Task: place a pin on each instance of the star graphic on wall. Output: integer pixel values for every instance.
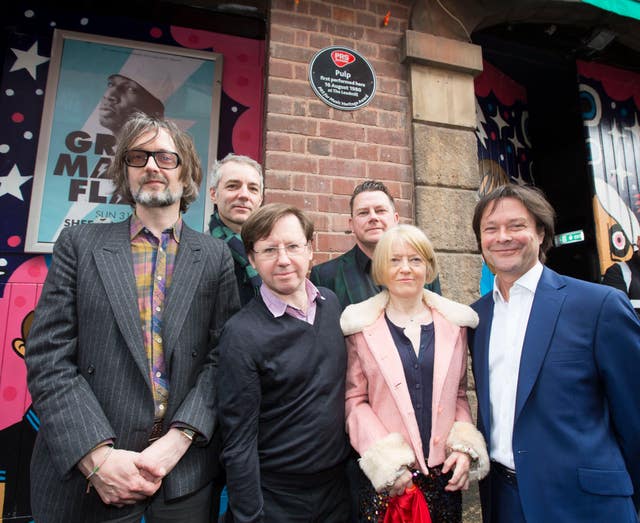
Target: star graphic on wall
(615, 133)
(519, 179)
(28, 60)
(10, 184)
(481, 133)
(500, 122)
(517, 144)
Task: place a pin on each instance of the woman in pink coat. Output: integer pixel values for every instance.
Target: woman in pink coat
(406, 404)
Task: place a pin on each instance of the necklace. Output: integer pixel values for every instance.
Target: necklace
(404, 320)
(410, 323)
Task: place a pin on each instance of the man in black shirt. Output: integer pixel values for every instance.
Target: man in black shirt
(349, 276)
(282, 384)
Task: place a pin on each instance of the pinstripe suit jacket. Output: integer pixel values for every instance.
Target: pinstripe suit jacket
(87, 368)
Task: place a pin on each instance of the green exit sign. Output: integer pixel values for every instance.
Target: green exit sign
(568, 237)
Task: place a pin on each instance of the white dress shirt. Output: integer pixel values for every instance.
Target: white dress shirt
(508, 328)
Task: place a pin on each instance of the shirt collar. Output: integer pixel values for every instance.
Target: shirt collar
(529, 280)
(362, 260)
(136, 227)
(277, 307)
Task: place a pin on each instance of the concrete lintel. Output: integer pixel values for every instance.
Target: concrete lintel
(437, 51)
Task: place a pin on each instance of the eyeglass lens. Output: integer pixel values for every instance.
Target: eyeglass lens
(164, 159)
(293, 249)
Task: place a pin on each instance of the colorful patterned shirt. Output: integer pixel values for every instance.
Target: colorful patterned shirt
(153, 262)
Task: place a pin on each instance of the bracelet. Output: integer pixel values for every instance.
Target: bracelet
(188, 433)
(97, 467)
(465, 450)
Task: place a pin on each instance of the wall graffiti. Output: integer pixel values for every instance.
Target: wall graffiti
(610, 103)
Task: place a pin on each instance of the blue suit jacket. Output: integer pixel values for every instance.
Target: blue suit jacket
(576, 437)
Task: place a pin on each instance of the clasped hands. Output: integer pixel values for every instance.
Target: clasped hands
(127, 477)
(458, 461)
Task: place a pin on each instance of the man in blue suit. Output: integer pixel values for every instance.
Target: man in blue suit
(556, 362)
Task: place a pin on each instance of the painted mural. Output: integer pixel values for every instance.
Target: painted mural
(18, 423)
(610, 103)
(22, 89)
(504, 149)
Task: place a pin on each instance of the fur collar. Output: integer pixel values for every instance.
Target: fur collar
(358, 316)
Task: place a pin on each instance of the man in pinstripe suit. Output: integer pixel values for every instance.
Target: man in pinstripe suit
(122, 356)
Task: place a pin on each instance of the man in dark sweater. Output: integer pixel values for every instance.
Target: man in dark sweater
(281, 384)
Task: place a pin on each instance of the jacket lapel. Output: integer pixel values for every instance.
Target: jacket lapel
(480, 359)
(184, 284)
(445, 334)
(115, 268)
(350, 279)
(357, 286)
(544, 314)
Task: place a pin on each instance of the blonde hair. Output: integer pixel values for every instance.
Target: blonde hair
(409, 235)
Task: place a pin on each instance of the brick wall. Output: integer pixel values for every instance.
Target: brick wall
(315, 154)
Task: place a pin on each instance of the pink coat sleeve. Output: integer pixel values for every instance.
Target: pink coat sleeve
(363, 425)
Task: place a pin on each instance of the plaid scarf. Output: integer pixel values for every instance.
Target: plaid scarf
(219, 230)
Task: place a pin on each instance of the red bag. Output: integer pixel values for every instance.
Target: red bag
(411, 507)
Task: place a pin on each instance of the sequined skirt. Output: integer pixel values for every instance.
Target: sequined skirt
(444, 507)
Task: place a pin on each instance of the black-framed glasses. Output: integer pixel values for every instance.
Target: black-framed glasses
(163, 159)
